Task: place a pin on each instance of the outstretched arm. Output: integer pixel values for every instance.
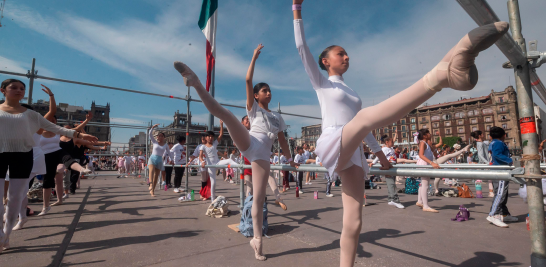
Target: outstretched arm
(221, 132)
(88, 117)
(249, 75)
(50, 115)
(309, 63)
(152, 138)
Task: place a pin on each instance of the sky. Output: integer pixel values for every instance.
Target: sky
(133, 44)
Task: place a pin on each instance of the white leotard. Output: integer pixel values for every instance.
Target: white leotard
(263, 122)
(211, 153)
(339, 104)
(50, 145)
(158, 149)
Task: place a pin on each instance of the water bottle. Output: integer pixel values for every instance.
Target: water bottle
(527, 222)
(192, 195)
(479, 193)
(297, 191)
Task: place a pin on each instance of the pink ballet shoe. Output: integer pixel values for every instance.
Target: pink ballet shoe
(457, 69)
(257, 246)
(190, 79)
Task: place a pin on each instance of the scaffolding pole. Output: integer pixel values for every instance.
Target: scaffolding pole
(529, 142)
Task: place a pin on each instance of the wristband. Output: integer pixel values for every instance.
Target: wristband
(296, 7)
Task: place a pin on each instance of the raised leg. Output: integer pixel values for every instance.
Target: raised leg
(237, 131)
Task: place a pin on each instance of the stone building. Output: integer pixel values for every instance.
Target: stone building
(453, 119)
(310, 134)
(77, 114)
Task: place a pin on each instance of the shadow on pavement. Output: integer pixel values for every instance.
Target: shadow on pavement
(488, 259)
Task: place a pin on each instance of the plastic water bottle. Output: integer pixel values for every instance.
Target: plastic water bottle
(527, 222)
(479, 193)
(297, 191)
(192, 195)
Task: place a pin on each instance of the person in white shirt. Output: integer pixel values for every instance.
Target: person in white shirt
(205, 182)
(389, 152)
(141, 161)
(345, 124)
(178, 154)
(300, 159)
(168, 162)
(255, 145)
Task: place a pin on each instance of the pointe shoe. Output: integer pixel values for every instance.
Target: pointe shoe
(457, 69)
(190, 79)
(45, 211)
(281, 203)
(418, 204)
(257, 246)
(5, 244)
(20, 224)
(58, 203)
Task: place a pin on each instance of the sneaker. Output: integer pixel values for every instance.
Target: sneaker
(180, 189)
(65, 196)
(301, 192)
(509, 218)
(329, 195)
(497, 221)
(306, 183)
(309, 183)
(398, 205)
(176, 190)
(231, 182)
(491, 194)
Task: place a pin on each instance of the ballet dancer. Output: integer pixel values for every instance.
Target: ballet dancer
(155, 163)
(16, 143)
(141, 161)
(256, 145)
(345, 124)
(270, 180)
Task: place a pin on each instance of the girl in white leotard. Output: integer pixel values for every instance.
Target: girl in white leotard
(155, 163)
(255, 145)
(345, 124)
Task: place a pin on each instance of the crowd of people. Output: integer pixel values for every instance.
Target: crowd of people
(32, 145)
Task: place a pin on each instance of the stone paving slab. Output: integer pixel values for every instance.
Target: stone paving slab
(119, 224)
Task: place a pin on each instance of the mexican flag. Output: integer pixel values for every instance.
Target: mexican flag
(207, 22)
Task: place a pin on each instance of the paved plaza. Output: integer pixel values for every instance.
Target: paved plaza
(115, 222)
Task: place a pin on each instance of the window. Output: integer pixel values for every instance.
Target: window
(460, 122)
(402, 121)
(447, 123)
(475, 128)
(488, 127)
(448, 131)
(488, 119)
(473, 112)
(413, 127)
(436, 132)
(386, 130)
(486, 111)
(404, 135)
(459, 115)
(501, 99)
(435, 125)
(462, 137)
(423, 119)
(394, 123)
(474, 121)
(412, 120)
(506, 135)
(394, 129)
(403, 127)
(503, 117)
(505, 126)
(435, 118)
(425, 126)
(460, 130)
(446, 117)
(502, 109)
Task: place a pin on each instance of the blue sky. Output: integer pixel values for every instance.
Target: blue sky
(132, 44)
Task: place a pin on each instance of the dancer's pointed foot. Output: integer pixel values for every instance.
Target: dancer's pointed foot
(256, 244)
(457, 69)
(281, 203)
(20, 224)
(190, 79)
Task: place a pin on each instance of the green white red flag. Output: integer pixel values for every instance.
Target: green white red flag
(207, 22)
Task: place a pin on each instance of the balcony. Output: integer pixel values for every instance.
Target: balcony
(503, 111)
(423, 121)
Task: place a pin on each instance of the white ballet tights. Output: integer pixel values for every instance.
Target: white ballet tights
(260, 174)
(422, 197)
(353, 198)
(16, 192)
(272, 184)
(212, 177)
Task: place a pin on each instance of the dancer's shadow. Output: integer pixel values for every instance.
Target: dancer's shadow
(307, 214)
(456, 207)
(488, 259)
(368, 237)
(279, 229)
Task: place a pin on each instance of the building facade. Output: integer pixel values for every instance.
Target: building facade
(78, 113)
(453, 119)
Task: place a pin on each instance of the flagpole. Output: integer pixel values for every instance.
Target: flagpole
(211, 118)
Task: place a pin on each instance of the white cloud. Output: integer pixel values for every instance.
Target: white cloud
(7, 64)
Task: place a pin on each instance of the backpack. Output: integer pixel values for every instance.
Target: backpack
(464, 191)
(412, 186)
(462, 215)
(245, 226)
(475, 158)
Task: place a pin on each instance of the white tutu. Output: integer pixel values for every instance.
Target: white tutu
(260, 147)
(329, 149)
